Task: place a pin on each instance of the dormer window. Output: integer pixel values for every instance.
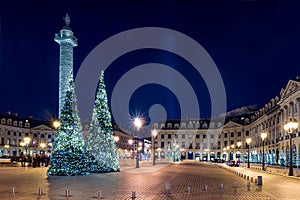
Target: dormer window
(190, 125)
(183, 125)
(176, 126)
(27, 125)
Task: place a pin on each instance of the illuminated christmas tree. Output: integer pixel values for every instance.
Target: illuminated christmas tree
(69, 155)
(100, 139)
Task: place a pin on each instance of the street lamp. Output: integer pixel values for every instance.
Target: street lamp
(263, 136)
(154, 134)
(130, 142)
(6, 147)
(138, 125)
(116, 139)
(290, 127)
(56, 124)
(25, 143)
(239, 144)
(248, 141)
(43, 145)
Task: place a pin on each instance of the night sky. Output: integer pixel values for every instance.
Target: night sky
(255, 45)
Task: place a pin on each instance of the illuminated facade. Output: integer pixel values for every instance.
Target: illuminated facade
(66, 41)
(228, 141)
(13, 130)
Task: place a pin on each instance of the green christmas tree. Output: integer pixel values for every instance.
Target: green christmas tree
(100, 139)
(69, 155)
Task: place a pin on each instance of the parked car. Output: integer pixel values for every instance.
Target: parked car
(233, 163)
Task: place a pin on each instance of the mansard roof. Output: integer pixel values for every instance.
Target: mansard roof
(33, 122)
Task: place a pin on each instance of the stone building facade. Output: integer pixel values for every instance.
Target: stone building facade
(13, 130)
(209, 139)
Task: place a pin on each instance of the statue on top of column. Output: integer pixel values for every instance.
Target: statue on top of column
(67, 19)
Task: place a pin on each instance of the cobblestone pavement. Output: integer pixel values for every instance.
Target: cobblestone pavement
(149, 183)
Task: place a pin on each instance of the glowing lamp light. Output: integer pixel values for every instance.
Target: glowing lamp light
(42, 145)
(116, 138)
(290, 126)
(27, 140)
(138, 123)
(263, 135)
(56, 124)
(248, 141)
(130, 141)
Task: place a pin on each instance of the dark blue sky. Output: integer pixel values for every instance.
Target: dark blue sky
(255, 45)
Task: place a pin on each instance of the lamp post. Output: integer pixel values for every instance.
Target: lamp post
(248, 141)
(232, 147)
(138, 125)
(263, 136)
(154, 134)
(6, 147)
(239, 144)
(290, 127)
(224, 153)
(130, 142)
(26, 143)
(43, 145)
(227, 154)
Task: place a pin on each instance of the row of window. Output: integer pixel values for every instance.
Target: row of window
(35, 135)
(212, 136)
(191, 145)
(16, 142)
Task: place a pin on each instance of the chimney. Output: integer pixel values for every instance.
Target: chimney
(15, 114)
(8, 112)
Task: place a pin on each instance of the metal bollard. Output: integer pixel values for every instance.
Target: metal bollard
(12, 190)
(206, 188)
(99, 194)
(259, 180)
(235, 184)
(168, 188)
(40, 191)
(133, 196)
(189, 189)
(67, 193)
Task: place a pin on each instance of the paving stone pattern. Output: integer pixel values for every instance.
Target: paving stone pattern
(149, 183)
